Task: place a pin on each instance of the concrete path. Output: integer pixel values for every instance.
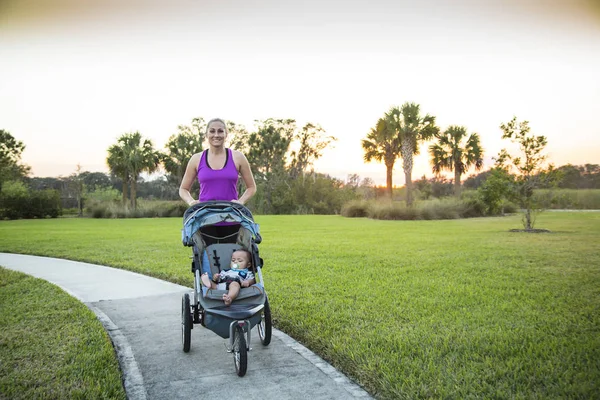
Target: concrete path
(142, 316)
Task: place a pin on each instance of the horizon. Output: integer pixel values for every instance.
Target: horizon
(77, 76)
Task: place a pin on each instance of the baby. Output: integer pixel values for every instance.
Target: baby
(237, 277)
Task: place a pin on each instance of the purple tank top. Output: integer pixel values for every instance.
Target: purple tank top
(218, 184)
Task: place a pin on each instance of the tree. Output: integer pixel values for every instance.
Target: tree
(411, 129)
(10, 158)
(312, 142)
(95, 180)
(181, 147)
(131, 156)
(142, 157)
(267, 150)
(268, 146)
(237, 136)
(476, 180)
(118, 165)
(383, 144)
(366, 189)
(75, 183)
(452, 153)
(528, 165)
(494, 189)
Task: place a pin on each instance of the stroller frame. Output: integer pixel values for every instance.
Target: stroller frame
(219, 228)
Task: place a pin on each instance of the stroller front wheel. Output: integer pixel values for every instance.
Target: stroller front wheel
(186, 323)
(240, 351)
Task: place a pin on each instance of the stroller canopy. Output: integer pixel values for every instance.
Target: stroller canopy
(217, 213)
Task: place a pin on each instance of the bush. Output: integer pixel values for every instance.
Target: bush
(473, 208)
(582, 199)
(449, 208)
(146, 209)
(391, 210)
(355, 209)
(18, 201)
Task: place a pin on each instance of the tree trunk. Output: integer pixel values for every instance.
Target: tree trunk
(388, 173)
(79, 206)
(406, 150)
(456, 182)
(528, 219)
(408, 179)
(133, 194)
(125, 190)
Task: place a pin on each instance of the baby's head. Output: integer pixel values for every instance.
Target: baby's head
(241, 259)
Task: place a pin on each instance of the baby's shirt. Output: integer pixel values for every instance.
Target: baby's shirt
(232, 274)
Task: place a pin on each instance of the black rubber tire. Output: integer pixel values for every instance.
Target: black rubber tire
(186, 323)
(265, 327)
(240, 351)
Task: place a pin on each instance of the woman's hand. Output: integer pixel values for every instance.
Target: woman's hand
(236, 201)
(193, 202)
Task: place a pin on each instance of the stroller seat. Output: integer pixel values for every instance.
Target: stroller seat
(219, 257)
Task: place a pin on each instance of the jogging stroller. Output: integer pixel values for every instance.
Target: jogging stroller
(215, 230)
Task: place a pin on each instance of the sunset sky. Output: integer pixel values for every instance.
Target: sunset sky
(75, 75)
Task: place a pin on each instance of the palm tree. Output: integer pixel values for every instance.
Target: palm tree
(128, 158)
(117, 163)
(141, 157)
(382, 144)
(411, 129)
(452, 154)
(180, 148)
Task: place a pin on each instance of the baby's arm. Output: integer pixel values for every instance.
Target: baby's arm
(248, 282)
(216, 277)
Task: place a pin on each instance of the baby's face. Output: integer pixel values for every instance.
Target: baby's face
(241, 259)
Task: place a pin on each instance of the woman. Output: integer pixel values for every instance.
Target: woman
(217, 169)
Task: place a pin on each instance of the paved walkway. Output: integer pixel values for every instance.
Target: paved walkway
(142, 316)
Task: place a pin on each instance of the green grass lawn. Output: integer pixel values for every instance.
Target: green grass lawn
(51, 345)
(443, 309)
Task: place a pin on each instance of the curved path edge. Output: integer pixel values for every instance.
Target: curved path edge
(98, 285)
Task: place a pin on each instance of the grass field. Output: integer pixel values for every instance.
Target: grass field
(410, 309)
(51, 345)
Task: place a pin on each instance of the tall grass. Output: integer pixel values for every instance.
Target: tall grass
(569, 199)
(447, 208)
(145, 209)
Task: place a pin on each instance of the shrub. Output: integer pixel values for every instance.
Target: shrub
(473, 208)
(355, 209)
(146, 209)
(448, 208)
(582, 199)
(18, 201)
(391, 210)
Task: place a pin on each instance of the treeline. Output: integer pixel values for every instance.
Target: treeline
(281, 156)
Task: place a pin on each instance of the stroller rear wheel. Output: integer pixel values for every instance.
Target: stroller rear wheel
(240, 351)
(186, 323)
(265, 326)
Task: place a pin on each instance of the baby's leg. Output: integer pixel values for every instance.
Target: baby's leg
(234, 291)
(208, 282)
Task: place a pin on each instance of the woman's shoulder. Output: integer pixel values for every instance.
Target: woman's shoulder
(237, 155)
(195, 159)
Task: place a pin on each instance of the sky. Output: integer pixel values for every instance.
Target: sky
(75, 75)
